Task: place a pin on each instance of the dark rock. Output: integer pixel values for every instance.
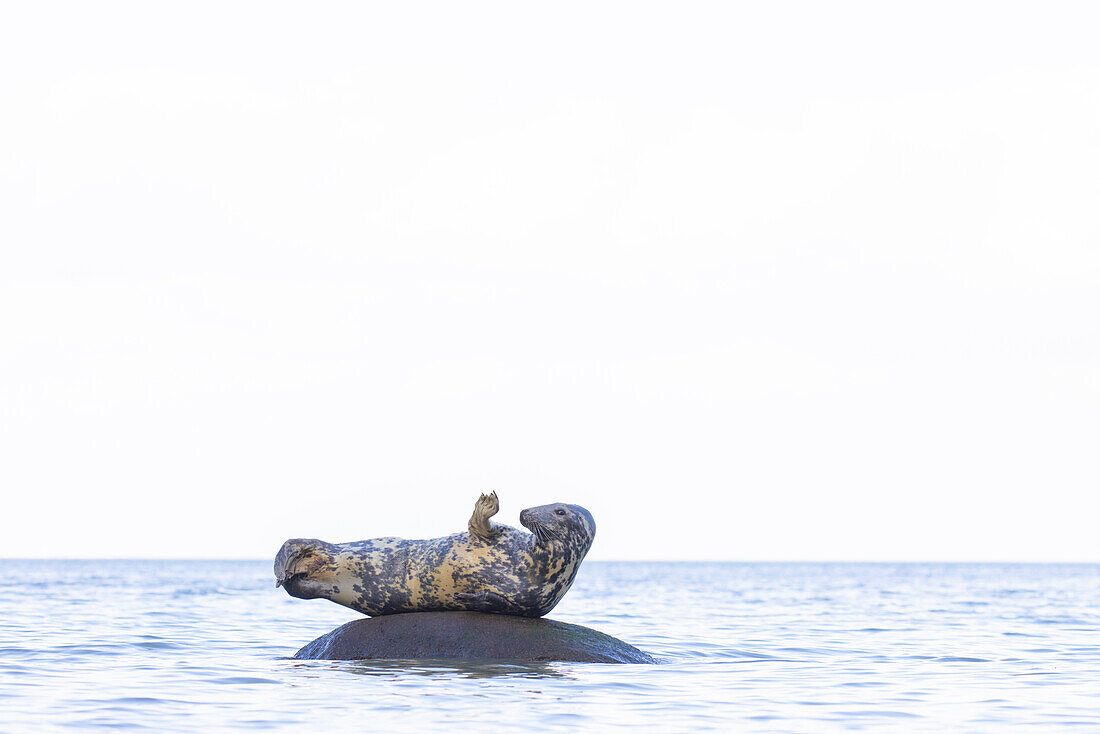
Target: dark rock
(471, 636)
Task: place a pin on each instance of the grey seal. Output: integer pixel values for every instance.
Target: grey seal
(490, 568)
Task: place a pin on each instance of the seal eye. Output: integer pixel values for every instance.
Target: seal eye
(560, 512)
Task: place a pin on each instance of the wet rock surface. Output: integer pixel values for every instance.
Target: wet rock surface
(471, 636)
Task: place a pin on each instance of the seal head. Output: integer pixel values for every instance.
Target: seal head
(568, 526)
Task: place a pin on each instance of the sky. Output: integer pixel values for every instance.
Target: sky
(749, 281)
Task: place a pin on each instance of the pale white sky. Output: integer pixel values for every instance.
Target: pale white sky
(748, 280)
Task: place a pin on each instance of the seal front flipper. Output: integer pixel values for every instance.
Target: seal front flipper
(486, 506)
(485, 601)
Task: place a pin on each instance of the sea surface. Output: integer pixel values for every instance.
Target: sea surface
(771, 647)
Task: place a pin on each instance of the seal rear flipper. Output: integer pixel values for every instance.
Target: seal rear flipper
(299, 563)
(486, 506)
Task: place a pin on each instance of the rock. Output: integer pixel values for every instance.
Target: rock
(469, 635)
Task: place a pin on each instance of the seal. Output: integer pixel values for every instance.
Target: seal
(491, 568)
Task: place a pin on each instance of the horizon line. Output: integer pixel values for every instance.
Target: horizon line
(601, 560)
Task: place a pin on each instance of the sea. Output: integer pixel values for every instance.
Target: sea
(208, 646)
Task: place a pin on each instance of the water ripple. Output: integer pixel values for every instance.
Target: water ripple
(207, 646)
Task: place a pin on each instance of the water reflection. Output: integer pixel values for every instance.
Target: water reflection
(454, 668)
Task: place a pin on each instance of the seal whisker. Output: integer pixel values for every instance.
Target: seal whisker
(540, 532)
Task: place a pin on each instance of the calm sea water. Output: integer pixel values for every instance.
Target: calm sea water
(202, 646)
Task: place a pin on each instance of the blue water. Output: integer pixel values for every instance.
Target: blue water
(202, 646)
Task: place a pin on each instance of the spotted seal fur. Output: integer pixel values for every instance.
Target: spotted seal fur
(491, 568)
